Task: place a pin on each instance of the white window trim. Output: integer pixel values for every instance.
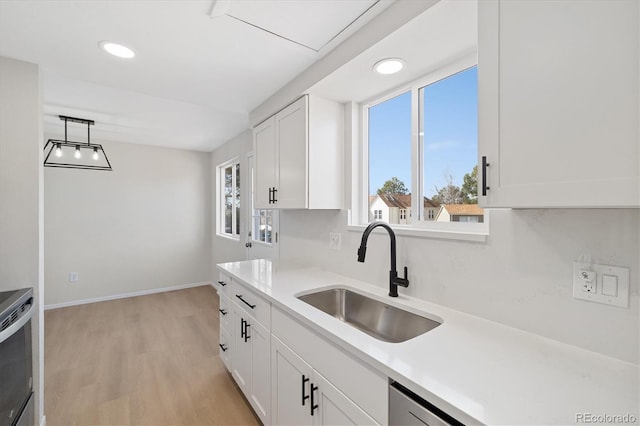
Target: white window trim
(219, 195)
(358, 220)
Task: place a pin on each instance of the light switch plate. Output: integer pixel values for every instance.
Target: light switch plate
(622, 274)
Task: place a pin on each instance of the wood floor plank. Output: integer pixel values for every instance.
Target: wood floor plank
(146, 360)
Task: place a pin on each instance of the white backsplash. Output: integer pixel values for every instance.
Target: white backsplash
(521, 277)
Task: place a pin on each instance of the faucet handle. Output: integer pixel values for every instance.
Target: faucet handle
(404, 281)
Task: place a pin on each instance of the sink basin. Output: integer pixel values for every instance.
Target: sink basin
(377, 319)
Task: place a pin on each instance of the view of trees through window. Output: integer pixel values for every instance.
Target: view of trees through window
(231, 199)
(448, 145)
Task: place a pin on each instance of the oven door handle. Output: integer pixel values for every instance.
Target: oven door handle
(9, 331)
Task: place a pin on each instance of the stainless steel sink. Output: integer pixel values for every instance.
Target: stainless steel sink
(377, 319)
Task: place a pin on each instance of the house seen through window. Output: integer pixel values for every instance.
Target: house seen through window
(444, 174)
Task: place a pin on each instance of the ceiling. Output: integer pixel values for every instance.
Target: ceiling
(444, 33)
(201, 65)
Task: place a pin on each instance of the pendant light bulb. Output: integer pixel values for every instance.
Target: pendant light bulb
(58, 150)
(95, 153)
(77, 154)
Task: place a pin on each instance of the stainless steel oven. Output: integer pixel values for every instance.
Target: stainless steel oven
(16, 365)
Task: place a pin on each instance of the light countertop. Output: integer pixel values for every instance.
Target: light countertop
(476, 370)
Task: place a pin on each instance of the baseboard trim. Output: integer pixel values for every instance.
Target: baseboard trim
(125, 295)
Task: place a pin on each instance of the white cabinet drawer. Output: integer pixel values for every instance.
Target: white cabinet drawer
(225, 311)
(363, 385)
(224, 283)
(256, 306)
(226, 347)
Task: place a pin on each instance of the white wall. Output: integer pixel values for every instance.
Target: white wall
(21, 196)
(143, 226)
(521, 277)
(225, 249)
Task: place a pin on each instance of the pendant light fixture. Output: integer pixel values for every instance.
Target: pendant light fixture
(69, 154)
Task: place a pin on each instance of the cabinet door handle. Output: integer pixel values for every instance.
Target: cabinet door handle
(239, 296)
(222, 311)
(270, 195)
(485, 188)
(305, 379)
(242, 329)
(222, 283)
(223, 347)
(275, 200)
(313, 405)
(246, 330)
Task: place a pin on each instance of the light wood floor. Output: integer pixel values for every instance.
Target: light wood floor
(144, 360)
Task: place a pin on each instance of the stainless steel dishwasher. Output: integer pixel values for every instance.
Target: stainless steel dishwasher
(407, 408)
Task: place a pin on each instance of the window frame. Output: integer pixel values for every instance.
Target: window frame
(358, 218)
(236, 222)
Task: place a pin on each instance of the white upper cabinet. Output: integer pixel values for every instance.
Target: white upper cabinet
(298, 157)
(559, 89)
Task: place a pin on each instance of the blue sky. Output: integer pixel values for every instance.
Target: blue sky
(450, 134)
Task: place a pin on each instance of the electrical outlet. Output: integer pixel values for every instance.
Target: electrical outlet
(601, 283)
(73, 277)
(335, 240)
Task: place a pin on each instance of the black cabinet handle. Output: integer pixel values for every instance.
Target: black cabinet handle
(485, 188)
(305, 379)
(242, 329)
(223, 347)
(270, 195)
(313, 406)
(275, 200)
(222, 311)
(222, 283)
(246, 330)
(248, 245)
(239, 296)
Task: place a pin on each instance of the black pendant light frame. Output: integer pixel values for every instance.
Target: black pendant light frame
(93, 147)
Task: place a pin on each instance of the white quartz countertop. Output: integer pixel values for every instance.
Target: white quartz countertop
(476, 370)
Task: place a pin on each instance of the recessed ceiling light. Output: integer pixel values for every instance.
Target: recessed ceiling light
(117, 49)
(389, 66)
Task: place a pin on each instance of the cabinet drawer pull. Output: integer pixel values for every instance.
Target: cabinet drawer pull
(313, 405)
(223, 347)
(222, 283)
(275, 200)
(305, 379)
(246, 330)
(222, 311)
(485, 188)
(242, 329)
(239, 296)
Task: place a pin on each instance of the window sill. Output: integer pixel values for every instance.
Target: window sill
(443, 234)
(229, 237)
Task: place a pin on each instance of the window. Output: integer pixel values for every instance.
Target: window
(377, 214)
(421, 150)
(229, 199)
(262, 225)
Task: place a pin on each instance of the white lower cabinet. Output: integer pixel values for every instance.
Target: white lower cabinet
(302, 396)
(251, 364)
(290, 374)
(225, 341)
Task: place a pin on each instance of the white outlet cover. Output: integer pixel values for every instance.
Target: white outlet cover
(335, 240)
(73, 277)
(621, 300)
